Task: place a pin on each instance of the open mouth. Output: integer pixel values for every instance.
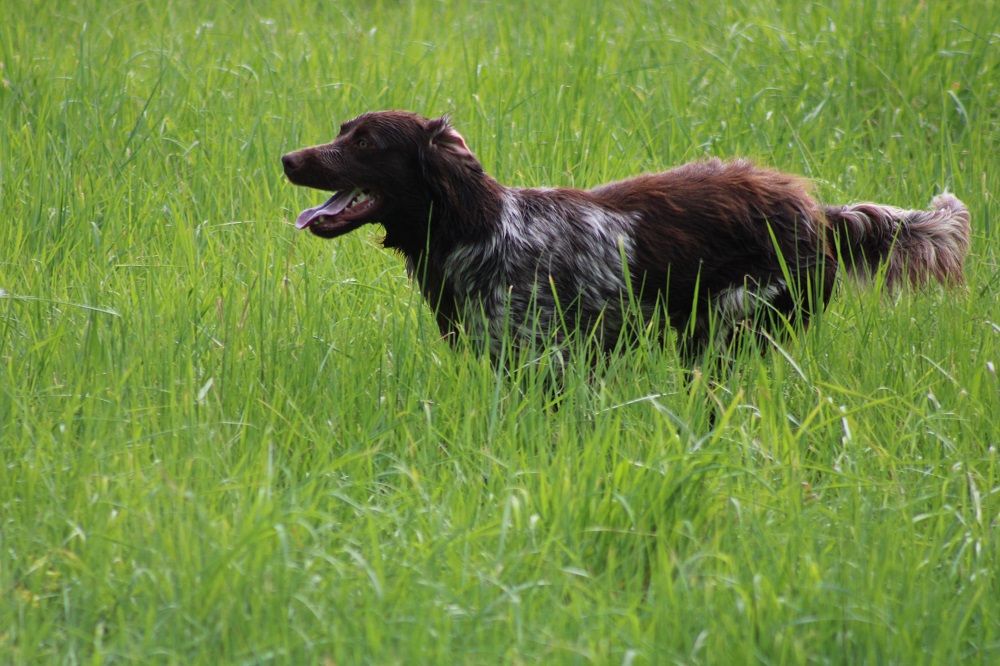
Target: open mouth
(344, 211)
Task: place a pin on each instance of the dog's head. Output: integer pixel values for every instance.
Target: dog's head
(382, 167)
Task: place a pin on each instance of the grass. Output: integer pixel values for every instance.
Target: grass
(226, 441)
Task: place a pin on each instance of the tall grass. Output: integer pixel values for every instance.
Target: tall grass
(225, 441)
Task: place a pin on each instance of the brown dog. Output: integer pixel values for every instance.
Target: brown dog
(713, 243)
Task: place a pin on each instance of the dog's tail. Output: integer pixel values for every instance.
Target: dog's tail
(914, 245)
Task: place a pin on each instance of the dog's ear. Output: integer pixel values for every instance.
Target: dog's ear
(445, 158)
(445, 137)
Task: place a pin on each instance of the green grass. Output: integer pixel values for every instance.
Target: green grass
(226, 441)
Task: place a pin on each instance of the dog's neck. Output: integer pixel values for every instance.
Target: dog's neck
(461, 208)
(463, 204)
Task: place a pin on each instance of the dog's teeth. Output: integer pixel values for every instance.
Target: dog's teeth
(358, 197)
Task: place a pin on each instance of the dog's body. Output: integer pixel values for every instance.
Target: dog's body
(712, 243)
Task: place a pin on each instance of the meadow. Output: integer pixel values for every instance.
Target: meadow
(225, 441)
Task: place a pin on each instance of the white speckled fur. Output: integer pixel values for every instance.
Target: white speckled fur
(737, 303)
(547, 252)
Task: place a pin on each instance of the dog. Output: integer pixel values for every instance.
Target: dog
(717, 246)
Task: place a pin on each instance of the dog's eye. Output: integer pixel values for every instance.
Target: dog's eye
(362, 143)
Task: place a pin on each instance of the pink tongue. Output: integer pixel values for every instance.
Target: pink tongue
(334, 205)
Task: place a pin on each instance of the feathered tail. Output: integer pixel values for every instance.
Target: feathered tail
(914, 245)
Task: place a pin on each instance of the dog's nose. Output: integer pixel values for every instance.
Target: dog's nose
(292, 162)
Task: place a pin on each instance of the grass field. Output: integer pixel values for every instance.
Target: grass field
(223, 441)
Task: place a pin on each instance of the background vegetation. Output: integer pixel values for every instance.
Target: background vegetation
(225, 441)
